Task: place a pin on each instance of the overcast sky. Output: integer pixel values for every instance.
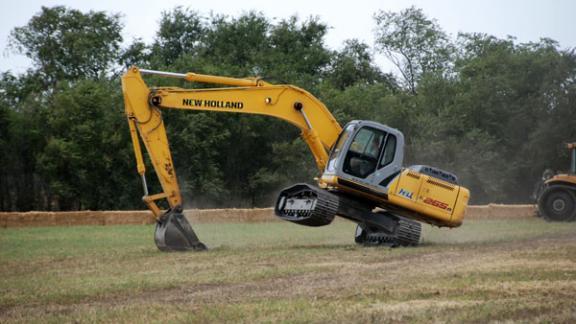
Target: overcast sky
(527, 20)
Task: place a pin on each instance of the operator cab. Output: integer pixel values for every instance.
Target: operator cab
(367, 156)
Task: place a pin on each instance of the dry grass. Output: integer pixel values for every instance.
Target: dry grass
(514, 270)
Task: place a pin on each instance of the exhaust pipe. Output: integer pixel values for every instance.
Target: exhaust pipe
(174, 233)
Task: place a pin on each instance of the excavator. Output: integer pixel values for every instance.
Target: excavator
(361, 174)
(556, 193)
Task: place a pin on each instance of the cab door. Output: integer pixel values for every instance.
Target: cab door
(374, 155)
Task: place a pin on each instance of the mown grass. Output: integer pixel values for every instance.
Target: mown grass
(500, 270)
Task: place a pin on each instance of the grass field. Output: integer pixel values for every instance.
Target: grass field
(491, 270)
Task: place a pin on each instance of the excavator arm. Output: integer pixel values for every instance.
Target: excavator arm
(143, 106)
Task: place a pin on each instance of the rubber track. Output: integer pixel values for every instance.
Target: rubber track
(324, 211)
(407, 234)
(326, 206)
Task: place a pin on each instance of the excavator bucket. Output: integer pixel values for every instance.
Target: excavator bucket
(174, 233)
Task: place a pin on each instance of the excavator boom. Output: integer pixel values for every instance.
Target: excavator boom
(143, 105)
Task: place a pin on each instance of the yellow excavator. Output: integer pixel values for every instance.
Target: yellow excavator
(361, 175)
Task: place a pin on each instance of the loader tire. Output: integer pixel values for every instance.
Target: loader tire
(557, 204)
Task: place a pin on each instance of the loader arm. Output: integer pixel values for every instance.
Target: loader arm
(143, 105)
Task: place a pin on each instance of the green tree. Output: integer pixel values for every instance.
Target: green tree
(137, 53)
(237, 44)
(21, 140)
(66, 44)
(503, 102)
(181, 32)
(298, 54)
(234, 155)
(87, 160)
(413, 43)
(354, 65)
(492, 110)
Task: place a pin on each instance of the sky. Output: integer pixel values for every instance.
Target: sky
(527, 20)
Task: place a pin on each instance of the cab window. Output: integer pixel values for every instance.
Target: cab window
(364, 152)
(389, 151)
(335, 153)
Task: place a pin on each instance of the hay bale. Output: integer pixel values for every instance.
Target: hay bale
(117, 217)
(500, 211)
(120, 217)
(230, 215)
(39, 218)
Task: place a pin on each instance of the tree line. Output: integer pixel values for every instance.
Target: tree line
(492, 110)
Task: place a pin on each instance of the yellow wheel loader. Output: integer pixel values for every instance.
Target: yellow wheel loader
(361, 172)
(556, 194)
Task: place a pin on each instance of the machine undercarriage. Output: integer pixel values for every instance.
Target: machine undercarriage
(311, 206)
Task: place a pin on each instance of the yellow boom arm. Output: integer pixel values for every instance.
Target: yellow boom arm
(250, 96)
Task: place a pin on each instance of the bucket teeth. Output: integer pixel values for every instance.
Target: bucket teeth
(174, 233)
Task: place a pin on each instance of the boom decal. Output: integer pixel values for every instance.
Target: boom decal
(212, 103)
